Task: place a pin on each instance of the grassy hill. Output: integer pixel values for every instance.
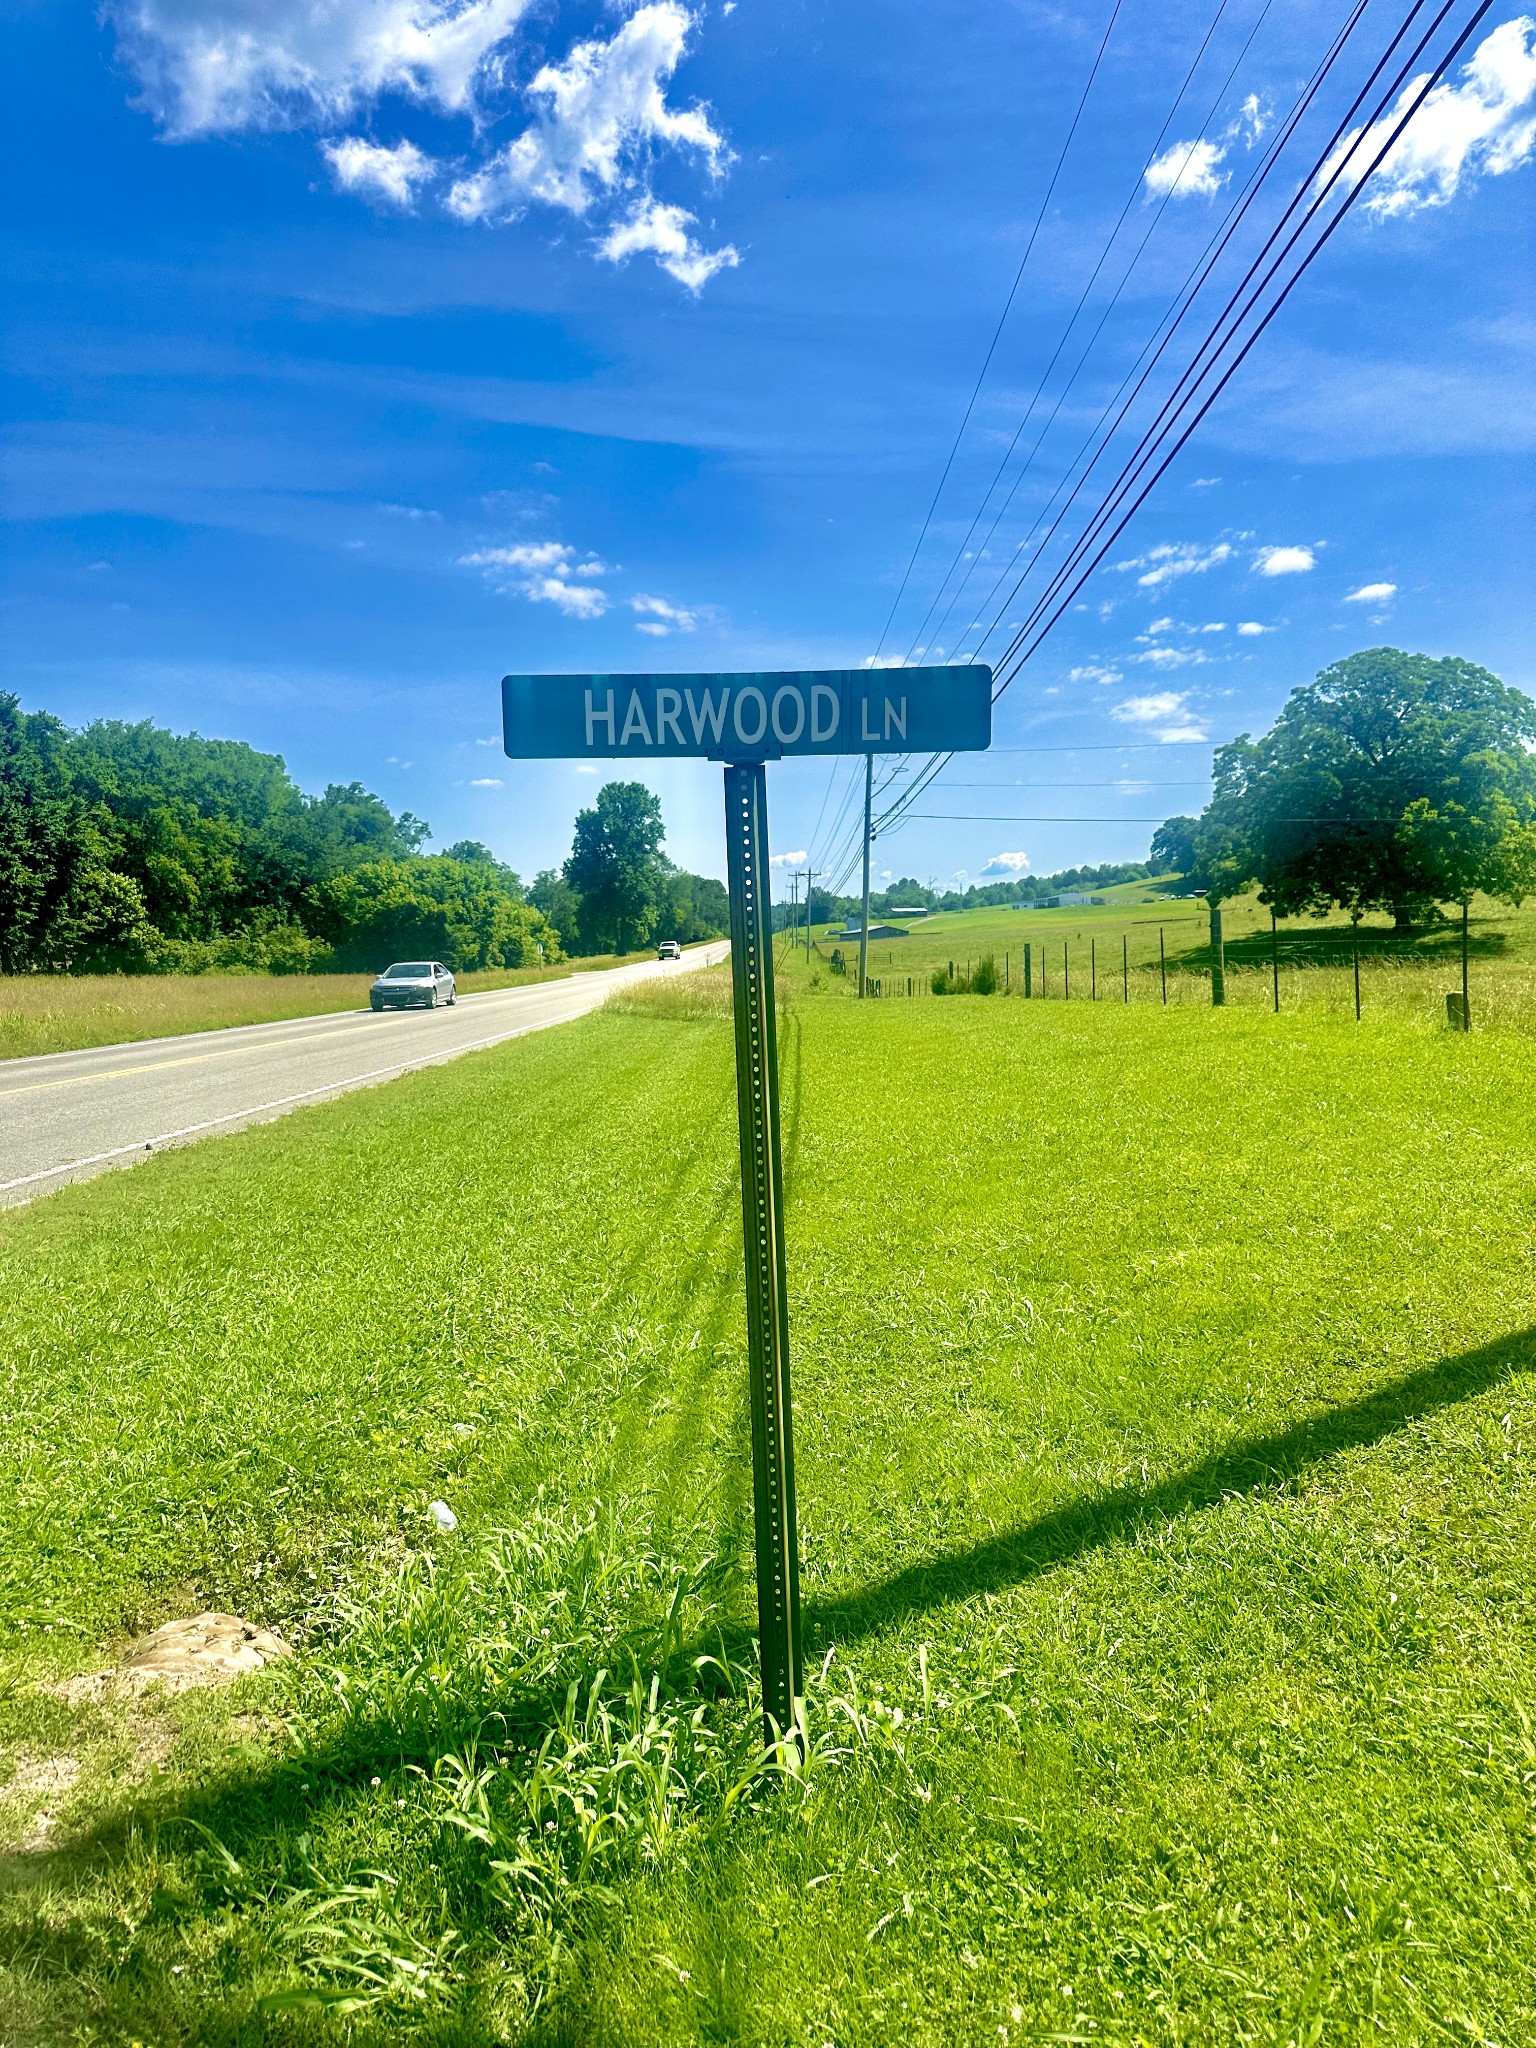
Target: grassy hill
(1118, 944)
(1165, 1408)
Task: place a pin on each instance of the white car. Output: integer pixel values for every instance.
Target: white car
(412, 985)
(669, 949)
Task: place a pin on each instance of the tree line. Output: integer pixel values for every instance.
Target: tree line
(125, 848)
(1394, 782)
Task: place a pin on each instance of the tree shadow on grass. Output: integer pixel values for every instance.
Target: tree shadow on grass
(1086, 1525)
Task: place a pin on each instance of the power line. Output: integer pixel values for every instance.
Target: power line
(1070, 577)
(1002, 318)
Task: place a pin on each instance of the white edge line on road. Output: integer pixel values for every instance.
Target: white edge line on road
(281, 1102)
(638, 970)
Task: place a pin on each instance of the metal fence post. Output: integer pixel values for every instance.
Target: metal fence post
(1162, 963)
(1027, 989)
(1125, 964)
(762, 1213)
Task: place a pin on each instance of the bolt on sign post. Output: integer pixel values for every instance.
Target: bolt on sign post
(744, 721)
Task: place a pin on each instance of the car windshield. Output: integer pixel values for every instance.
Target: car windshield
(408, 970)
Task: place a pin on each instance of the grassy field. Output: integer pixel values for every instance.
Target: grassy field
(1165, 1420)
(57, 1012)
(1116, 948)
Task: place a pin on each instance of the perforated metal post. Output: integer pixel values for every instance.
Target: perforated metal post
(762, 1212)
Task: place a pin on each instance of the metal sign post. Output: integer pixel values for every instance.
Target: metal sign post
(762, 1218)
(745, 720)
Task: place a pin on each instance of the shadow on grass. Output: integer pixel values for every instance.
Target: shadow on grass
(1091, 1524)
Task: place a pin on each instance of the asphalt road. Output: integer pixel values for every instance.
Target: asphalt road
(68, 1115)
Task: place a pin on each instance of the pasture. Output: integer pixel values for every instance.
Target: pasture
(1165, 1415)
(1116, 948)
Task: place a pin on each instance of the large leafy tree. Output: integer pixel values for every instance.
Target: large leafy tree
(1394, 782)
(615, 867)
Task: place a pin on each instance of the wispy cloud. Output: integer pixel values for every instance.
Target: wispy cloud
(544, 572)
(659, 618)
(1163, 713)
(374, 172)
(1005, 865)
(1251, 629)
(1483, 127)
(1372, 593)
(1171, 657)
(1187, 170)
(1292, 561)
(788, 860)
(1093, 672)
(663, 232)
(1173, 559)
(486, 782)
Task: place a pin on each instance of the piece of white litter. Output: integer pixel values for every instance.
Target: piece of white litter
(443, 1515)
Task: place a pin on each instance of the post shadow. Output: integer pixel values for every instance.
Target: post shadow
(1089, 1524)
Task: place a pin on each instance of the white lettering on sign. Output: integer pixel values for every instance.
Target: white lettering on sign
(634, 721)
(750, 739)
(821, 697)
(707, 715)
(595, 718)
(865, 732)
(797, 705)
(895, 721)
(668, 705)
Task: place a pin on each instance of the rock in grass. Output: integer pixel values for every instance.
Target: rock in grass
(206, 1649)
(443, 1515)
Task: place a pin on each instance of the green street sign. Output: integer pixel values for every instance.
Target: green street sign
(748, 717)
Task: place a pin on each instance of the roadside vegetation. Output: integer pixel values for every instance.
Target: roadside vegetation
(127, 849)
(1168, 1523)
(42, 1013)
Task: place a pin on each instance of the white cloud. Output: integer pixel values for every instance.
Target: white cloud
(1164, 713)
(1006, 864)
(662, 231)
(1172, 657)
(1483, 127)
(373, 171)
(1176, 558)
(542, 571)
(1204, 483)
(599, 115)
(788, 860)
(1163, 625)
(1284, 561)
(603, 110)
(1251, 629)
(410, 512)
(882, 661)
(486, 782)
(1093, 672)
(1372, 593)
(661, 618)
(218, 66)
(1187, 170)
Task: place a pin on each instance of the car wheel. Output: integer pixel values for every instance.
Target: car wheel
(432, 1000)
(375, 1007)
(453, 999)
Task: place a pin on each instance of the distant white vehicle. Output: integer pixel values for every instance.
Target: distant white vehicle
(413, 985)
(669, 949)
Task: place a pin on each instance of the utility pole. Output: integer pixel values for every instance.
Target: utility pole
(810, 876)
(794, 909)
(869, 798)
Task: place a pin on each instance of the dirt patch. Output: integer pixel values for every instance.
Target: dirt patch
(203, 1650)
(51, 1778)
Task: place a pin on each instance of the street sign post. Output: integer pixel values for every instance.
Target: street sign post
(744, 721)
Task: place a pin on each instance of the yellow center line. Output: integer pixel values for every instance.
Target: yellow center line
(200, 1058)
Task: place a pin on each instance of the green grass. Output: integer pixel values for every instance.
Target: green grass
(1406, 975)
(42, 1013)
(1165, 1414)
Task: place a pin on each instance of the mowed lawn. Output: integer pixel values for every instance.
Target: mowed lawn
(1165, 1418)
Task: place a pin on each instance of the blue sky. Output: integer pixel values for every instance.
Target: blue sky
(361, 352)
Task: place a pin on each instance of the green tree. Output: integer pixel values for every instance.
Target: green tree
(428, 905)
(1381, 786)
(615, 867)
(1173, 847)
